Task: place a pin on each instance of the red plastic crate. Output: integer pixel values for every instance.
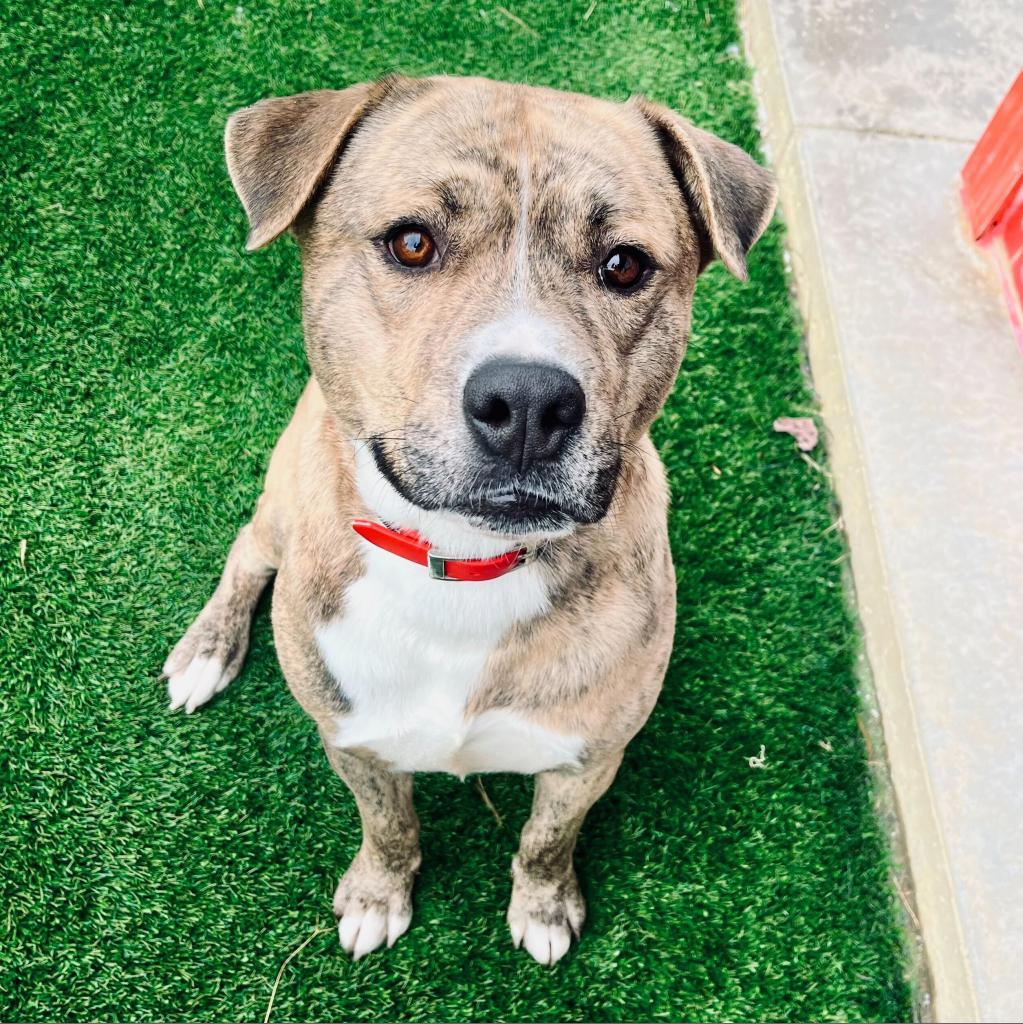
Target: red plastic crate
(992, 192)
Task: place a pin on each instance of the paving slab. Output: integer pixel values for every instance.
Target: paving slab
(871, 111)
(917, 67)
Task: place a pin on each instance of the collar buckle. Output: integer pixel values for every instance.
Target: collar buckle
(438, 566)
(527, 555)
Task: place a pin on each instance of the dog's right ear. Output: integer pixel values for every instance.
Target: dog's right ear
(279, 150)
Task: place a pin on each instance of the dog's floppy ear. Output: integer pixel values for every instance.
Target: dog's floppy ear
(730, 196)
(279, 150)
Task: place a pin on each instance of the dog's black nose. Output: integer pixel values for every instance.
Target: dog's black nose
(523, 412)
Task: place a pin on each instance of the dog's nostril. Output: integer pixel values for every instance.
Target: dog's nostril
(496, 413)
(552, 419)
(564, 411)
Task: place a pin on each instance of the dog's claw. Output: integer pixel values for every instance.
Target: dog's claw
(397, 924)
(348, 931)
(364, 929)
(546, 943)
(370, 934)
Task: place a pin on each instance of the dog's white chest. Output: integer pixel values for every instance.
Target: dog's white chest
(408, 652)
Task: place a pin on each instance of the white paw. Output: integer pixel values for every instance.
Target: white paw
(363, 929)
(196, 683)
(544, 914)
(545, 943)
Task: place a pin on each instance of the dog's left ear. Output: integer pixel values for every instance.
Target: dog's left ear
(730, 196)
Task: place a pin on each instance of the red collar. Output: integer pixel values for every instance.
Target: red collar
(410, 545)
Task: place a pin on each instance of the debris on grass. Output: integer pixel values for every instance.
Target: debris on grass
(814, 464)
(906, 901)
(318, 930)
(518, 21)
(802, 428)
(485, 796)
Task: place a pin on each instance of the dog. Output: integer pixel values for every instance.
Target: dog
(466, 517)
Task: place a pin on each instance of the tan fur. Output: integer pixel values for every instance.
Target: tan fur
(386, 352)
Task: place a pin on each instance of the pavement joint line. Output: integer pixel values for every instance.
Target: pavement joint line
(889, 133)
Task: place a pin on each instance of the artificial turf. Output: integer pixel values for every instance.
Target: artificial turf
(157, 866)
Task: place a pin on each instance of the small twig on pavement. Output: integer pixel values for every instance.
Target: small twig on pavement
(905, 902)
(866, 738)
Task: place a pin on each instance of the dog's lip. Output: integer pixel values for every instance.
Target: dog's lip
(501, 507)
(515, 503)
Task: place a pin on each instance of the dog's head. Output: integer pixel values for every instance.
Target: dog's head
(497, 278)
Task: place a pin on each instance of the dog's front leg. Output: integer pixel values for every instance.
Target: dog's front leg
(546, 904)
(373, 901)
(211, 652)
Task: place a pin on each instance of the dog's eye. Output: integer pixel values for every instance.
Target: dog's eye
(411, 246)
(624, 268)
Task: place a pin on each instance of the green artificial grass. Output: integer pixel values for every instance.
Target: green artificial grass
(157, 866)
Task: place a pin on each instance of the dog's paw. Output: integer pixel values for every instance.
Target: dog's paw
(205, 659)
(543, 916)
(200, 680)
(372, 908)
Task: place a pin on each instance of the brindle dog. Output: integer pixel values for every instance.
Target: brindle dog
(496, 300)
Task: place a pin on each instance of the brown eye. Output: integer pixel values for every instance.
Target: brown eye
(411, 246)
(624, 268)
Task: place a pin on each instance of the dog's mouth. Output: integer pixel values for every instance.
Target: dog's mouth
(516, 510)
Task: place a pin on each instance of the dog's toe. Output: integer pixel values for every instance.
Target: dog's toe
(196, 683)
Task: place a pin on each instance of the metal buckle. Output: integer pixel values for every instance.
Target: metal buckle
(438, 566)
(527, 555)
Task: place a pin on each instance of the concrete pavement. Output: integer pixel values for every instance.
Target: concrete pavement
(871, 110)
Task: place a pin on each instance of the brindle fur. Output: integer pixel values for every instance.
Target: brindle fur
(459, 155)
